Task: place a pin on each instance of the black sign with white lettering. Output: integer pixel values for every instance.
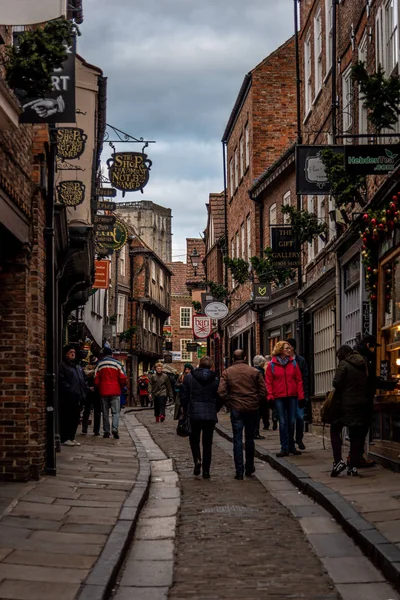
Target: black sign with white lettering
(261, 293)
(106, 192)
(59, 105)
(286, 253)
(366, 317)
(104, 219)
(191, 347)
(310, 170)
(105, 205)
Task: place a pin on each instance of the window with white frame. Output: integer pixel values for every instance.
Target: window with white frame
(233, 256)
(144, 317)
(185, 317)
(331, 218)
(241, 156)
(121, 313)
(328, 34)
(379, 39)
(286, 202)
(242, 242)
(161, 279)
(391, 48)
(347, 102)
(272, 214)
(237, 244)
(307, 74)
(317, 52)
(232, 177)
(321, 219)
(362, 111)
(153, 270)
(236, 167)
(310, 246)
(247, 145)
(248, 234)
(324, 349)
(185, 355)
(122, 261)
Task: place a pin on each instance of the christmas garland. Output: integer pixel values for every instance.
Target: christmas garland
(378, 227)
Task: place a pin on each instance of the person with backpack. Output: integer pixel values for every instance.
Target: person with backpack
(199, 395)
(143, 390)
(285, 386)
(301, 361)
(350, 408)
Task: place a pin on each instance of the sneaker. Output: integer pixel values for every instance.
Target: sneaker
(68, 443)
(84, 432)
(259, 437)
(301, 445)
(275, 425)
(281, 454)
(239, 476)
(296, 452)
(197, 468)
(116, 435)
(106, 435)
(338, 468)
(76, 443)
(352, 471)
(250, 472)
(206, 475)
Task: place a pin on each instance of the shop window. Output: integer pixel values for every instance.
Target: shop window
(324, 349)
(185, 355)
(351, 322)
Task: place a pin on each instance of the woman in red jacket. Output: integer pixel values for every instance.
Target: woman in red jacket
(285, 386)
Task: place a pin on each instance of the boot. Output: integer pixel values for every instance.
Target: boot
(157, 419)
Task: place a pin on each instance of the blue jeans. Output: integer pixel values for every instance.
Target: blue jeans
(112, 402)
(299, 424)
(286, 408)
(247, 421)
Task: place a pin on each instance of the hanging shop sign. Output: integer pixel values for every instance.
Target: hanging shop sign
(191, 347)
(380, 159)
(366, 317)
(129, 171)
(202, 326)
(168, 358)
(71, 142)
(117, 237)
(104, 219)
(167, 330)
(216, 310)
(168, 346)
(105, 227)
(286, 252)
(106, 192)
(261, 293)
(176, 355)
(59, 105)
(71, 193)
(102, 274)
(105, 205)
(310, 170)
(201, 351)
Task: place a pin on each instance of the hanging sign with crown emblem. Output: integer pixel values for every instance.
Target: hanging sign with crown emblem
(129, 171)
(261, 293)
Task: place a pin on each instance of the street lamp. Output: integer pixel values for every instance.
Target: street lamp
(194, 259)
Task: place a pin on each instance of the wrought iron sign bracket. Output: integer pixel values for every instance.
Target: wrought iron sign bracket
(66, 166)
(123, 138)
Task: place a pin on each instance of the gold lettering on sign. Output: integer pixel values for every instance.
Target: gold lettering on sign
(129, 171)
(71, 193)
(71, 142)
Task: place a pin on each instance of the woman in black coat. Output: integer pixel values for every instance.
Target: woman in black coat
(199, 397)
(350, 408)
(73, 391)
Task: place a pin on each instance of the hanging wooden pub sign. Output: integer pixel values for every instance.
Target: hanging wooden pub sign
(116, 238)
(129, 171)
(71, 142)
(71, 193)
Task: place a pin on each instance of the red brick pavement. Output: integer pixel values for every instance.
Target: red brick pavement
(256, 553)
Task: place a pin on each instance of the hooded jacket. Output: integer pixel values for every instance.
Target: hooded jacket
(242, 387)
(200, 392)
(284, 381)
(352, 386)
(72, 383)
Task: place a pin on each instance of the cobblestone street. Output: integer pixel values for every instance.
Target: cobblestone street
(236, 540)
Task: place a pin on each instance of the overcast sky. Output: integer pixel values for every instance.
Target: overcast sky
(174, 70)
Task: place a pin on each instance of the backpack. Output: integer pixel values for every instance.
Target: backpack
(327, 410)
(143, 384)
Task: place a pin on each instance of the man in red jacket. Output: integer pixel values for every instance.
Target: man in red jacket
(110, 379)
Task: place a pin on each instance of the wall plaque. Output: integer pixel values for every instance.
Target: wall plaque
(71, 193)
(129, 171)
(71, 142)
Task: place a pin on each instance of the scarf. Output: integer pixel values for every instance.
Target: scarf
(283, 360)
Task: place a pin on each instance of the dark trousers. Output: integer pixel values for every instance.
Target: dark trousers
(286, 408)
(144, 400)
(70, 412)
(357, 438)
(207, 429)
(159, 405)
(247, 421)
(93, 400)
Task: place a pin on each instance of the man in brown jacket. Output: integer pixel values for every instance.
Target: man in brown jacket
(159, 390)
(242, 389)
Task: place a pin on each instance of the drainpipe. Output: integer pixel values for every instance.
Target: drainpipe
(131, 396)
(334, 70)
(298, 80)
(116, 295)
(226, 245)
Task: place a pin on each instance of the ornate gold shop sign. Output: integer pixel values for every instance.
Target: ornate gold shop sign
(71, 193)
(115, 239)
(71, 142)
(129, 171)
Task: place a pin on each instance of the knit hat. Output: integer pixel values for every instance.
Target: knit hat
(67, 348)
(188, 366)
(107, 351)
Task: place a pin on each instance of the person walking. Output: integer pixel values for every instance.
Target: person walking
(299, 428)
(93, 400)
(285, 387)
(350, 409)
(270, 405)
(259, 363)
(242, 389)
(159, 390)
(110, 380)
(143, 390)
(199, 395)
(73, 391)
(188, 368)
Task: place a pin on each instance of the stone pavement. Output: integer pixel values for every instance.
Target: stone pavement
(369, 505)
(54, 530)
